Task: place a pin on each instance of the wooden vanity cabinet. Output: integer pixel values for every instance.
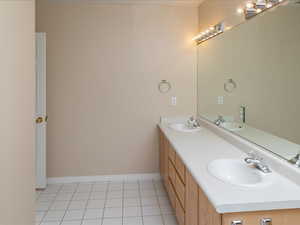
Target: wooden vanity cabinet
(191, 205)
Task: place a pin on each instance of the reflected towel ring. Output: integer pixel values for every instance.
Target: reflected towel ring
(164, 86)
(229, 85)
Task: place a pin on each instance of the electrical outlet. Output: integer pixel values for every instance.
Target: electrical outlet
(173, 100)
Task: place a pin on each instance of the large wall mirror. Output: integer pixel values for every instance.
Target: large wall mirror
(250, 76)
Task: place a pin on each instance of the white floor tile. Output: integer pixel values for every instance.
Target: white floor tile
(170, 220)
(112, 221)
(113, 212)
(77, 205)
(84, 188)
(59, 205)
(50, 223)
(115, 187)
(133, 221)
(90, 203)
(96, 204)
(132, 211)
(149, 201)
(77, 222)
(152, 220)
(81, 196)
(46, 197)
(74, 215)
(151, 210)
(54, 215)
(166, 209)
(131, 186)
(43, 206)
(115, 202)
(91, 222)
(131, 193)
(98, 195)
(132, 202)
(115, 194)
(68, 188)
(93, 214)
(99, 187)
(64, 196)
(148, 193)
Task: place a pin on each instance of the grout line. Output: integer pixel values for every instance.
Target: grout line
(105, 201)
(123, 192)
(140, 198)
(157, 199)
(69, 204)
(86, 204)
(52, 201)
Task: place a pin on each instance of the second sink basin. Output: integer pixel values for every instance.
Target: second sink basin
(183, 127)
(236, 172)
(232, 126)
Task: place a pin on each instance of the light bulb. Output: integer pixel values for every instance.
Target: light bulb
(269, 5)
(249, 5)
(240, 10)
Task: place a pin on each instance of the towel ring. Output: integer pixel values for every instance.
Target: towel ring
(230, 86)
(164, 86)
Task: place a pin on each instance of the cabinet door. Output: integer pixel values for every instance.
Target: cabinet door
(161, 153)
(279, 217)
(163, 157)
(207, 213)
(191, 200)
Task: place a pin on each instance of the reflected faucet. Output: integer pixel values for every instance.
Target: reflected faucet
(254, 160)
(219, 121)
(296, 160)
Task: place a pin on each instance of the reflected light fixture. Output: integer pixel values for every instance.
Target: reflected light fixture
(209, 33)
(255, 7)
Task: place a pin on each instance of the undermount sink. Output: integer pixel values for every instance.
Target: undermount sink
(232, 126)
(236, 172)
(183, 127)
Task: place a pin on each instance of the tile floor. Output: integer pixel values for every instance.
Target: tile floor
(104, 203)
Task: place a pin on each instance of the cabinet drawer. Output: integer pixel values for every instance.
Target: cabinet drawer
(172, 154)
(171, 172)
(180, 168)
(171, 193)
(180, 190)
(179, 213)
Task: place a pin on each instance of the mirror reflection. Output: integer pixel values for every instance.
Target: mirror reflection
(249, 80)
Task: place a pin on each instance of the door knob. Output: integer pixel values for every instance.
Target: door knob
(237, 222)
(39, 120)
(266, 221)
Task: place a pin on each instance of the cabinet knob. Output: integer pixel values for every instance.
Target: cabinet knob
(237, 222)
(266, 221)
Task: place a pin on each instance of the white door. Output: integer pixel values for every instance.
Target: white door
(41, 117)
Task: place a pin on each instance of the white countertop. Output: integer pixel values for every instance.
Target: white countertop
(198, 149)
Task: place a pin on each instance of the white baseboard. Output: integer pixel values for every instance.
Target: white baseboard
(121, 177)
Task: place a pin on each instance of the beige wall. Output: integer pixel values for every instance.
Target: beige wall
(262, 56)
(17, 90)
(104, 63)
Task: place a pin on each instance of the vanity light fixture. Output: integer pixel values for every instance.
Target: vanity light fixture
(209, 33)
(256, 7)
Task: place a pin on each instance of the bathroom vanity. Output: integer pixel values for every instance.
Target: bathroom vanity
(198, 198)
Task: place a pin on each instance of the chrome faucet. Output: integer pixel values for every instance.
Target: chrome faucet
(254, 160)
(192, 123)
(219, 121)
(295, 160)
